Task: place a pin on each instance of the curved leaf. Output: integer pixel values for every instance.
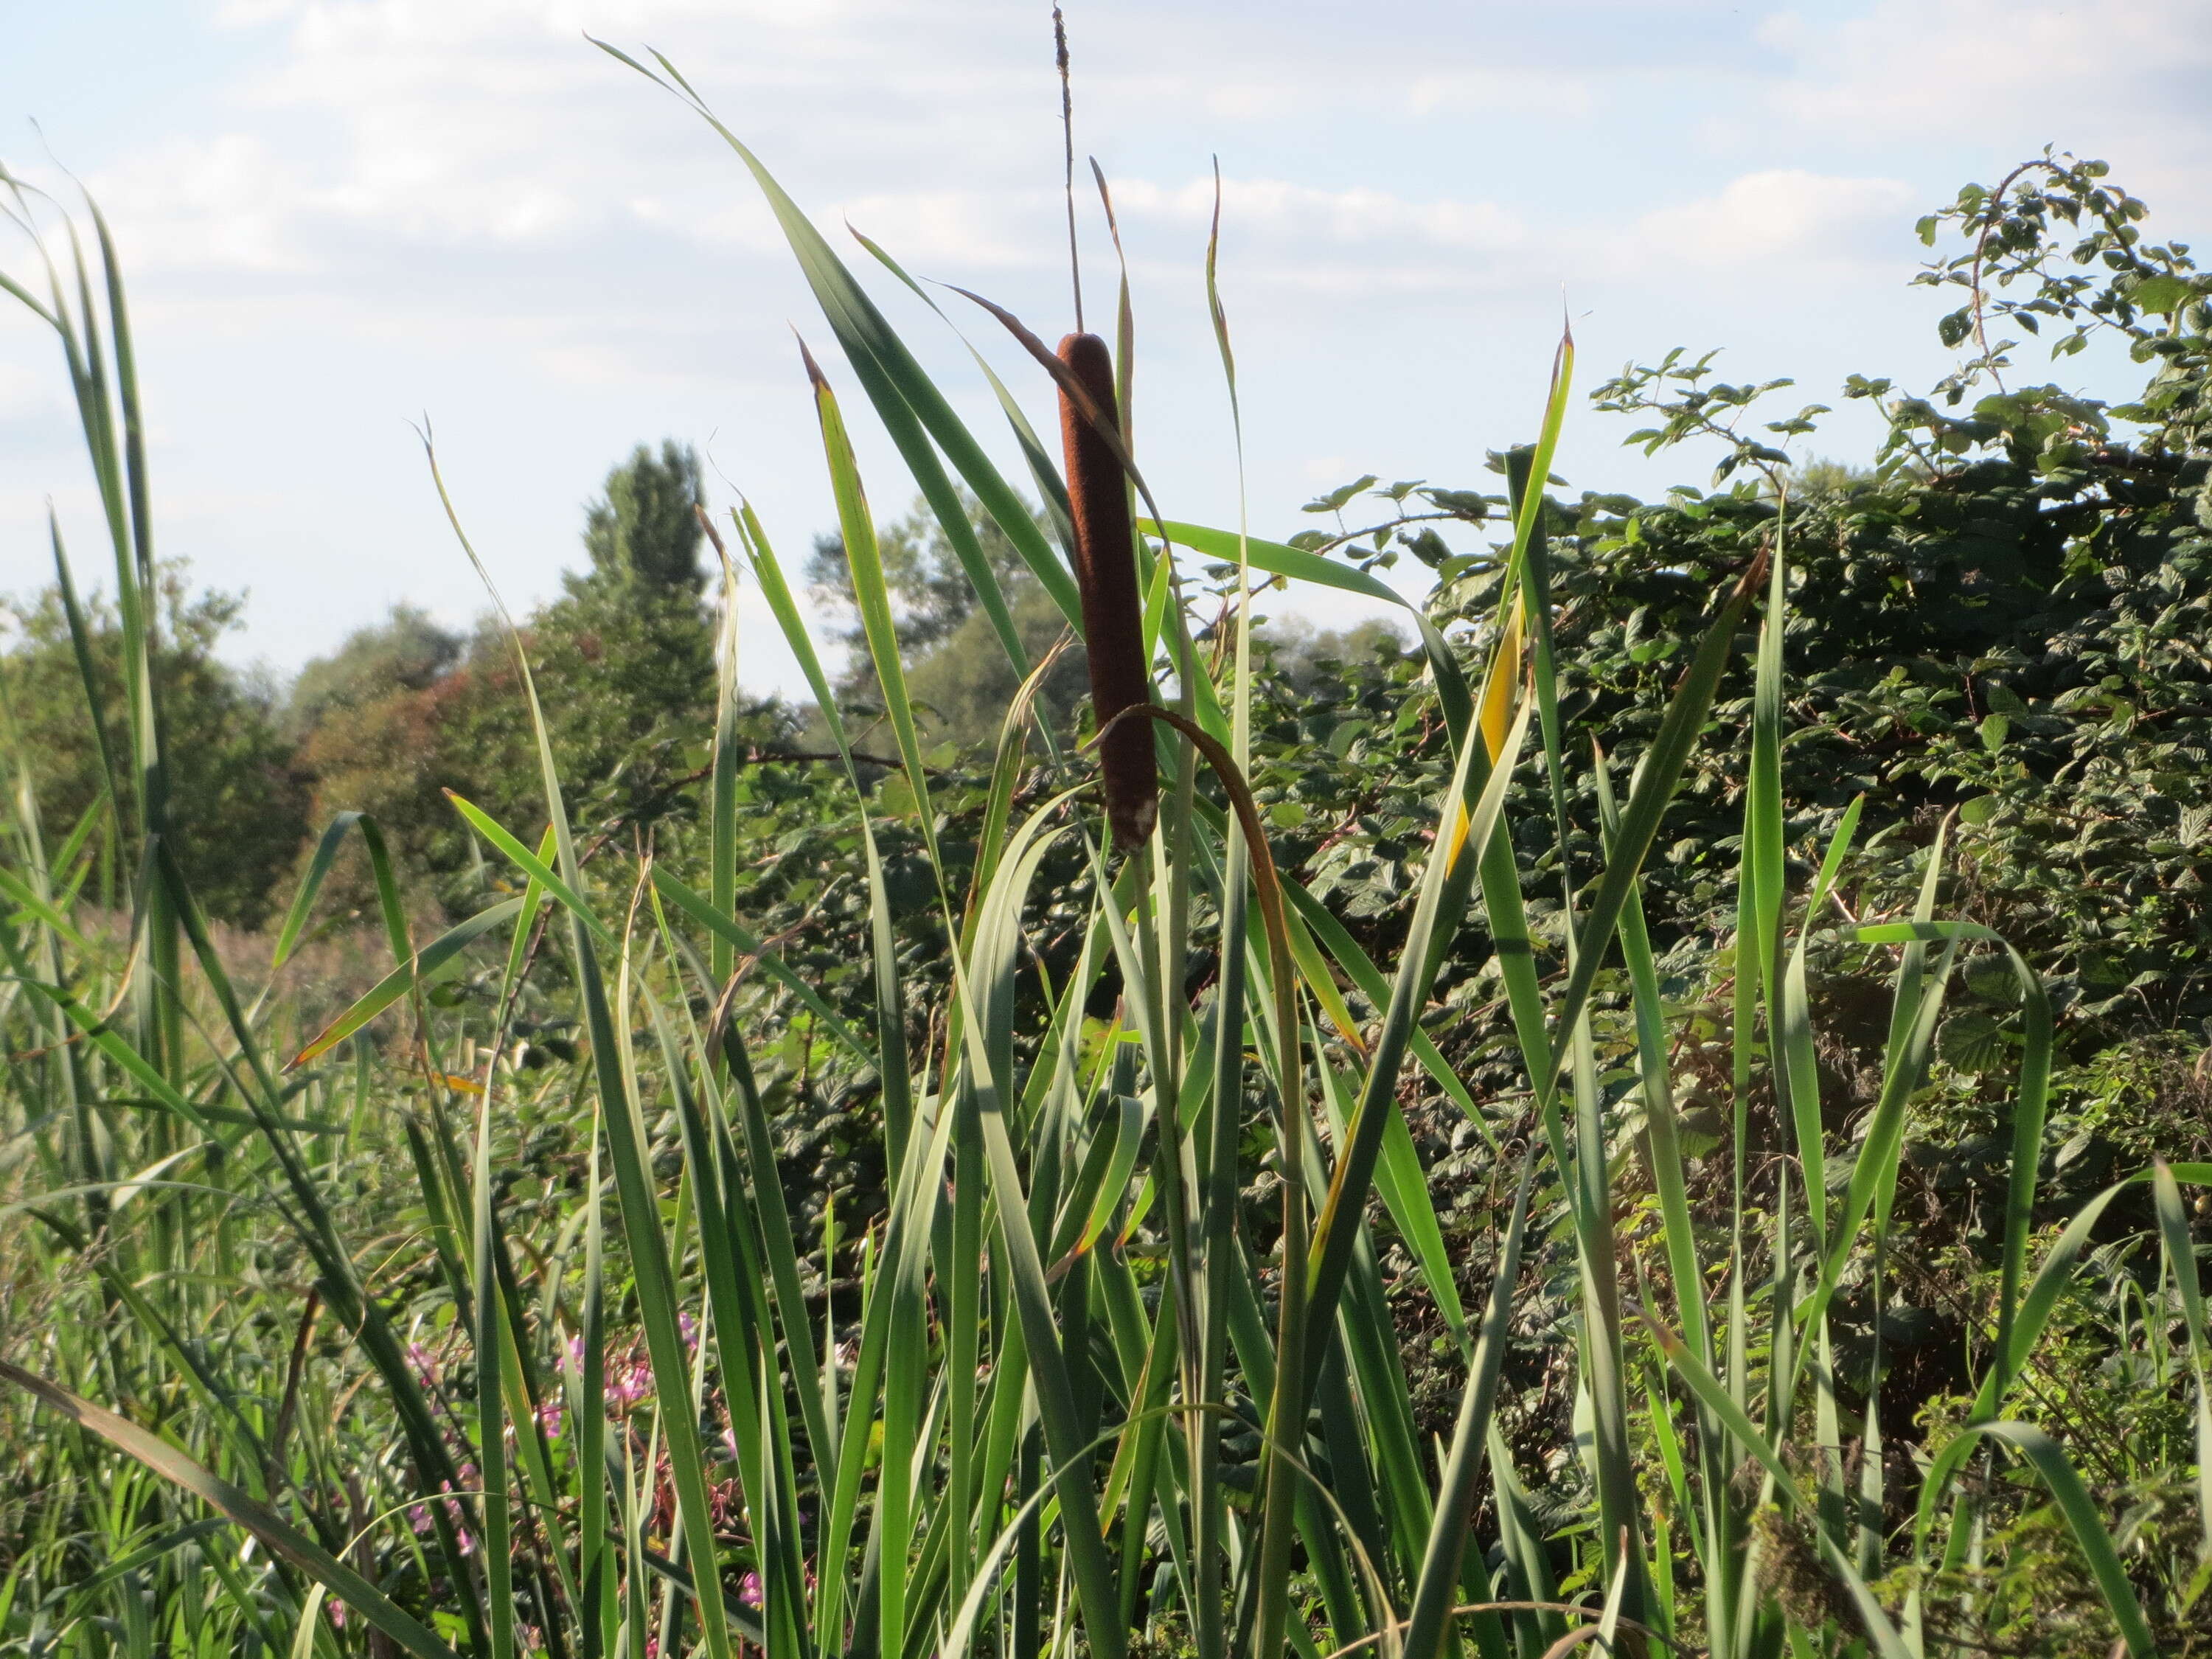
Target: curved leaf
(431, 963)
(282, 1538)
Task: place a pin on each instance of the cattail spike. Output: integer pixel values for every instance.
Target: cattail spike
(1068, 143)
(1113, 609)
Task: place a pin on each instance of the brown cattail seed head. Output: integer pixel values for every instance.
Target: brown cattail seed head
(1113, 609)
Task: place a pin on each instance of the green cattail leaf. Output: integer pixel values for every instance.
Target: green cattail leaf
(1749, 1440)
(264, 1523)
(437, 960)
(1437, 1586)
(2049, 1461)
(914, 413)
(1278, 559)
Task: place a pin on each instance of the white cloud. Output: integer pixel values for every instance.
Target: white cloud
(1356, 218)
(24, 392)
(1304, 232)
(932, 230)
(495, 123)
(252, 14)
(228, 203)
(1944, 66)
(1549, 92)
(1784, 214)
(2005, 78)
(492, 123)
(594, 364)
(343, 210)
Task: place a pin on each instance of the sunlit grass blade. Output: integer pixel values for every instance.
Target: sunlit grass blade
(1278, 559)
(623, 1122)
(1746, 1436)
(89, 677)
(1659, 773)
(1437, 1586)
(754, 950)
(864, 559)
(281, 1537)
(1043, 471)
(437, 959)
(2049, 1461)
(530, 864)
(495, 1506)
(1056, 1399)
(1443, 896)
(2031, 1101)
(2182, 1263)
(731, 1265)
(311, 883)
(914, 411)
(1368, 980)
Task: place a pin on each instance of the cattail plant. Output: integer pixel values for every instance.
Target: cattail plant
(1106, 576)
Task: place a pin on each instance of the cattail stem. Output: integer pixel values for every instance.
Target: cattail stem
(1113, 609)
(1068, 140)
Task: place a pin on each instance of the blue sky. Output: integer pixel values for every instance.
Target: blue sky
(338, 215)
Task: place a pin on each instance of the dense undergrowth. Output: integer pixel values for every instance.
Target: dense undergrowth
(1669, 1114)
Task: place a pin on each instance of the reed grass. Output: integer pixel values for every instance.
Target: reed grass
(633, 1429)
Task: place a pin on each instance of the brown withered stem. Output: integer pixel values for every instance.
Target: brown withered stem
(1113, 610)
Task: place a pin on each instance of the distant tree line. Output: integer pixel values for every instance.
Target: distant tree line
(407, 709)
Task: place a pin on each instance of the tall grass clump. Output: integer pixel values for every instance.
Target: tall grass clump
(310, 1355)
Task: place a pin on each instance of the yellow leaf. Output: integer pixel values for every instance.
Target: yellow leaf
(1499, 684)
(1494, 711)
